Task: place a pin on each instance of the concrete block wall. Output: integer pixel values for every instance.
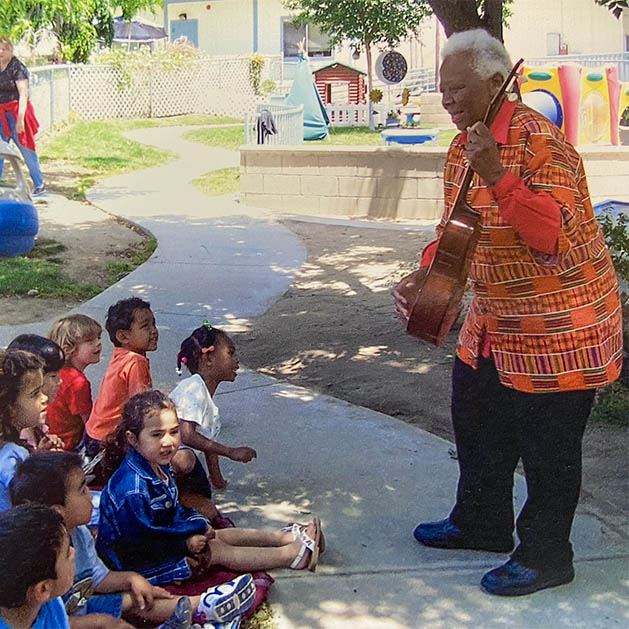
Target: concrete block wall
(432, 113)
(368, 181)
(380, 182)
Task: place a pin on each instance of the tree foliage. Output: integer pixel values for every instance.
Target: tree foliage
(77, 24)
(615, 6)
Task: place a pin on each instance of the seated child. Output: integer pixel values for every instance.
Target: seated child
(22, 405)
(37, 568)
(79, 337)
(54, 359)
(131, 327)
(210, 356)
(56, 479)
(143, 527)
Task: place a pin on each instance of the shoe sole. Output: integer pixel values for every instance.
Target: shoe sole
(523, 591)
(465, 545)
(231, 605)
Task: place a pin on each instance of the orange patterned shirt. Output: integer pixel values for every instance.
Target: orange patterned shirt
(553, 320)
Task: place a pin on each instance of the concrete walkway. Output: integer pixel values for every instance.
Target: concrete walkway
(370, 477)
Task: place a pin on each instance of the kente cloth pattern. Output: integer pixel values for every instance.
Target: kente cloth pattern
(553, 322)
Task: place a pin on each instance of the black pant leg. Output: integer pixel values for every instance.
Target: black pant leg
(487, 451)
(550, 435)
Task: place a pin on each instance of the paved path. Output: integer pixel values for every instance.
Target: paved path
(370, 477)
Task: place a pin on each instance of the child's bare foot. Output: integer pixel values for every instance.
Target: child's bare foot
(219, 483)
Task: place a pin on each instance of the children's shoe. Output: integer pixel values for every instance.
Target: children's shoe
(39, 191)
(223, 603)
(232, 624)
(182, 616)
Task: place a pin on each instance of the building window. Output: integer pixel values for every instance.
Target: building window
(317, 43)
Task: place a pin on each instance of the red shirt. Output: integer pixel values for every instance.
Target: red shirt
(73, 399)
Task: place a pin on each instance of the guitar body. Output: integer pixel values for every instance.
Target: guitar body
(439, 300)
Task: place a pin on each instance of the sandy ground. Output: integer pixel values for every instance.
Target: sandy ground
(333, 331)
(92, 239)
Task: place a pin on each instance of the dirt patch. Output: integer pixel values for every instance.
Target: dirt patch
(91, 239)
(334, 331)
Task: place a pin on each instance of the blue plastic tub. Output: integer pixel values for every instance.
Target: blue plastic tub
(18, 227)
(615, 207)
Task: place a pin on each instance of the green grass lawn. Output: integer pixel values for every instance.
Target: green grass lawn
(98, 149)
(218, 182)
(233, 137)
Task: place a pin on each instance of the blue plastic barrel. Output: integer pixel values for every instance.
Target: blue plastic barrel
(18, 227)
(615, 208)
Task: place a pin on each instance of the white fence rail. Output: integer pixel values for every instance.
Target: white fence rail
(289, 125)
(356, 115)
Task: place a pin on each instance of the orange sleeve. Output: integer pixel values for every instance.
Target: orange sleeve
(535, 216)
(428, 254)
(139, 377)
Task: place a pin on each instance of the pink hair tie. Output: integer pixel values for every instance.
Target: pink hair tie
(184, 360)
(205, 350)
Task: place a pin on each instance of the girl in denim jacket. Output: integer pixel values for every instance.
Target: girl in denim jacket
(144, 528)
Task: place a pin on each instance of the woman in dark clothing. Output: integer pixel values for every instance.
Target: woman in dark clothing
(17, 118)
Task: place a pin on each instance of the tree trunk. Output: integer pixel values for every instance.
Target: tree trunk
(462, 15)
(367, 45)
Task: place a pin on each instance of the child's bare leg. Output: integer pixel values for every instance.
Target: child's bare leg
(253, 558)
(254, 537)
(163, 608)
(199, 503)
(214, 470)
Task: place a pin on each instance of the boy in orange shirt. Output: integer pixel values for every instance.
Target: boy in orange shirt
(131, 327)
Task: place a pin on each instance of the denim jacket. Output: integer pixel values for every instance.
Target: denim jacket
(142, 526)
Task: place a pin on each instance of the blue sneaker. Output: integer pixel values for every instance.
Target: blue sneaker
(39, 191)
(444, 534)
(514, 579)
(223, 603)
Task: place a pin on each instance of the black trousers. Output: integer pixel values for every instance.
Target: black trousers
(495, 427)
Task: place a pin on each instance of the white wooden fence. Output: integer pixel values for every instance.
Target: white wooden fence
(342, 115)
(289, 125)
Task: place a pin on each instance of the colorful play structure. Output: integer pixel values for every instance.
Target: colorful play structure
(586, 103)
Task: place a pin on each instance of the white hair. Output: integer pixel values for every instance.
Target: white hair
(487, 55)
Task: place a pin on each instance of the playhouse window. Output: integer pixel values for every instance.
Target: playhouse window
(317, 43)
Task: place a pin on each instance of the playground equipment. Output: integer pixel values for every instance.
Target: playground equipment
(583, 102)
(304, 92)
(409, 136)
(18, 217)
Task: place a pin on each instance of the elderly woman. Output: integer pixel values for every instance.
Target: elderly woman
(17, 118)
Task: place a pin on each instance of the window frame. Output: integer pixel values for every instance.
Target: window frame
(289, 18)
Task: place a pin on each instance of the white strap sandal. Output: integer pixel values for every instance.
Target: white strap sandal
(308, 543)
(296, 527)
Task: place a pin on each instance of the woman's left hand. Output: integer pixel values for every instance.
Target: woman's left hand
(19, 126)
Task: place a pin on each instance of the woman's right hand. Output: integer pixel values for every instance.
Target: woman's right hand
(406, 291)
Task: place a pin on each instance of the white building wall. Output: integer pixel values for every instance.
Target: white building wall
(227, 28)
(584, 26)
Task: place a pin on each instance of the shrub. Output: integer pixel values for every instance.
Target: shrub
(267, 86)
(406, 95)
(256, 63)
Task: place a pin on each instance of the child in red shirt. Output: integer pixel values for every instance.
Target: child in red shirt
(79, 337)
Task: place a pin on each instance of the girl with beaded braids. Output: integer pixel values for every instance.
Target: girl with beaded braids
(210, 356)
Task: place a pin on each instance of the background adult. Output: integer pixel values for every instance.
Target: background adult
(542, 332)
(17, 117)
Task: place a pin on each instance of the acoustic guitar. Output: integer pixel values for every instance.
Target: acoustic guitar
(438, 302)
